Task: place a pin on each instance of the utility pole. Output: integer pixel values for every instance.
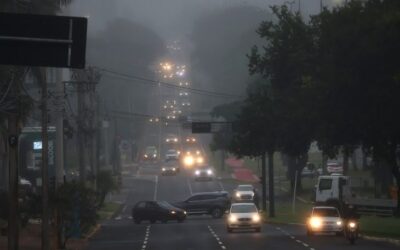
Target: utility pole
(271, 193)
(81, 134)
(60, 130)
(45, 167)
(264, 182)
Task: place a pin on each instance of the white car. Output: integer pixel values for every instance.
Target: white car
(244, 193)
(204, 173)
(324, 220)
(243, 216)
(172, 154)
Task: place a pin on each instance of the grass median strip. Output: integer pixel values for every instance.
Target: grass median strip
(108, 210)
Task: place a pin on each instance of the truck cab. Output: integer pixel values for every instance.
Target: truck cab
(333, 188)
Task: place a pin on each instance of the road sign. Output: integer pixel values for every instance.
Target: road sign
(201, 127)
(41, 40)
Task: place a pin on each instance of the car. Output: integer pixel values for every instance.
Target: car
(172, 154)
(324, 219)
(150, 154)
(154, 211)
(204, 173)
(212, 203)
(192, 157)
(243, 216)
(172, 138)
(170, 167)
(244, 193)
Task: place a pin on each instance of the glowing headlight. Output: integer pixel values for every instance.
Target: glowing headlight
(179, 152)
(154, 155)
(315, 222)
(173, 212)
(209, 172)
(145, 156)
(167, 140)
(200, 160)
(256, 218)
(197, 172)
(163, 169)
(232, 218)
(188, 161)
(237, 195)
(197, 152)
(352, 225)
(184, 212)
(173, 169)
(339, 223)
(175, 139)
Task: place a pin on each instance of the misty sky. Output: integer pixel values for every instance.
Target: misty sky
(170, 18)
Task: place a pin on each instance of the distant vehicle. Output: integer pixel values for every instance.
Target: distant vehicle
(154, 211)
(170, 167)
(172, 154)
(150, 154)
(192, 157)
(324, 220)
(243, 216)
(334, 167)
(335, 190)
(213, 203)
(243, 193)
(172, 138)
(191, 140)
(204, 172)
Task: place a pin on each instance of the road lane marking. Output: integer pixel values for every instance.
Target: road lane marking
(124, 209)
(304, 244)
(216, 237)
(156, 187)
(146, 238)
(190, 186)
(294, 238)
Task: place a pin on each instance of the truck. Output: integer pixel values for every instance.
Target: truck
(336, 190)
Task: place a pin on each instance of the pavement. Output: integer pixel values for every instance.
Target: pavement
(199, 232)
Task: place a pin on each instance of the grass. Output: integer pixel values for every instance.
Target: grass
(284, 213)
(108, 210)
(380, 227)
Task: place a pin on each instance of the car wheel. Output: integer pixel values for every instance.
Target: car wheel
(180, 220)
(258, 229)
(216, 213)
(137, 221)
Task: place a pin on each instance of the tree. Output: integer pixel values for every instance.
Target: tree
(287, 61)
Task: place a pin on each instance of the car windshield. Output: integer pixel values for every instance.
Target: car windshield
(171, 151)
(165, 204)
(245, 188)
(248, 208)
(325, 212)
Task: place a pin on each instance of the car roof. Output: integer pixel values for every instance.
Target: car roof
(243, 204)
(324, 207)
(213, 193)
(245, 185)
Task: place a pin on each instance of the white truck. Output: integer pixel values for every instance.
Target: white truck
(335, 190)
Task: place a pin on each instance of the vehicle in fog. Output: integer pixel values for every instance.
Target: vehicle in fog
(324, 220)
(154, 211)
(192, 157)
(243, 216)
(172, 154)
(170, 167)
(212, 203)
(150, 154)
(204, 172)
(244, 193)
(171, 138)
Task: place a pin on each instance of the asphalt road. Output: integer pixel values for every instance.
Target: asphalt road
(199, 232)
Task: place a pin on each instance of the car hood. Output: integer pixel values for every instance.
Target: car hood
(243, 215)
(330, 219)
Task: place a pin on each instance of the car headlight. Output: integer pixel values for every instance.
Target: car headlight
(197, 152)
(173, 169)
(173, 212)
(175, 139)
(339, 223)
(237, 195)
(315, 222)
(163, 169)
(167, 140)
(188, 161)
(352, 224)
(256, 218)
(184, 212)
(154, 155)
(197, 172)
(209, 172)
(232, 218)
(200, 160)
(145, 156)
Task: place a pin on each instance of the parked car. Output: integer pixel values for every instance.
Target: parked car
(212, 203)
(157, 211)
(243, 193)
(324, 220)
(243, 216)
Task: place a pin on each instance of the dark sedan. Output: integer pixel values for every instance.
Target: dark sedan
(157, 211)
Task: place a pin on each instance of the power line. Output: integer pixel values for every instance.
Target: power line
(167, 84)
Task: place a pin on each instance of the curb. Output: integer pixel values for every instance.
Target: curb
(93, 232)
(381, 239)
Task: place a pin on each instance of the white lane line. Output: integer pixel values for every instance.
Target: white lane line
(124, 209)
(304, 244)
(292, 237)
(146, 238)
(190, 187)
(299, 241)
(216, 237)
(221, 186)
(156, 187)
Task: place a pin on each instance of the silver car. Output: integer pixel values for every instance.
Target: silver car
(243, 216)
(324, 220)
(243, 193)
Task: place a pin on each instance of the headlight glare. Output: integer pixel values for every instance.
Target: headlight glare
(256, 218)
(315, 222)
(209, 172)
(232, 218)
(352, 224)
